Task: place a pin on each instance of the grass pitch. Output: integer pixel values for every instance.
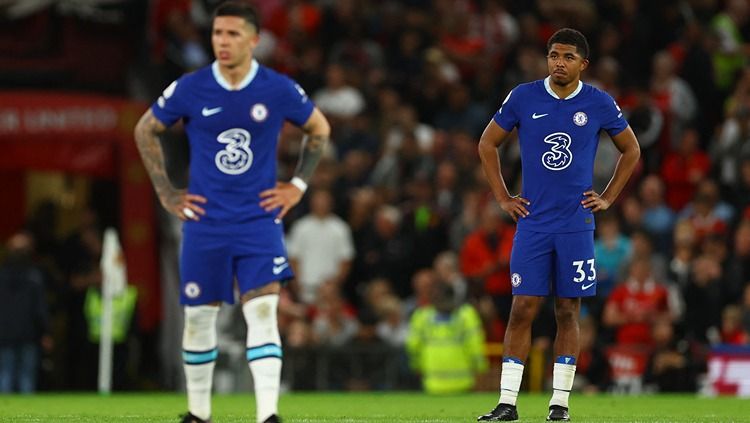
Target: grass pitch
(367, 407)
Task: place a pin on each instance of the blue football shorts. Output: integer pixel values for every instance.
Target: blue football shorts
(558, 264)
(213, 257)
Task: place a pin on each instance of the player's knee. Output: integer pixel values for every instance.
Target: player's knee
(522, 313)
(566, 315)
(260, 316)
(200, 325)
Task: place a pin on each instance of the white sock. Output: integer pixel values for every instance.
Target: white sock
(264, 352)
(510, 380)
(199, 357)
(562, 380)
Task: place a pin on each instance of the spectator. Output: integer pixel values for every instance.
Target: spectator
(683, 169)
(392, 328)
(673, 96)
(447, 272)
(460, 113)
(670, 365)
(334, 324)
(642, 246)
(732, 332)
(729, 56)
(635, 304)
(684, 250)
(23, 317)
(612, 249)
(707, 212)
(658, 218)
(338, 99)
(738, 267)
(423, 284)
(320, 248)
(446, 344)
(704, 293)
(592, 367)
(386, 250)
(733, 143)
(485, 258)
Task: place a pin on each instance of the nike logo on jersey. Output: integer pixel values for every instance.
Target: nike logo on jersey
(278, 269)
(279, 260)
(585, 287)
(208, 112)
(536, 116)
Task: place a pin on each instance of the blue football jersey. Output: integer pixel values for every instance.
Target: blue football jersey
(233, 135)
(558, 140)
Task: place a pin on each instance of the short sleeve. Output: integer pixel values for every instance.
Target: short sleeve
(507, 116)
(612, 119)
(297, 105)
(171, 104)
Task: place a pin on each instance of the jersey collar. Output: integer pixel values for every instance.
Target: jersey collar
(244, 83)
(554, 95)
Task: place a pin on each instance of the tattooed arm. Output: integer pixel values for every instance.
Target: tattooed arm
(174, 200)
(287, 194)
(317, 133)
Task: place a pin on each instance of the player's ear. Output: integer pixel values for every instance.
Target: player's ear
(584, 64)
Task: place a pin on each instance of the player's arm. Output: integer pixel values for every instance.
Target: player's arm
(175, 201)
(492, 138)
(317, 133)
(630, 152)
(286, 195)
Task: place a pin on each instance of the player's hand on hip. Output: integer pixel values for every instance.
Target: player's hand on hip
(595, 202)
(515, 207)
(283, 196)
(184, 205)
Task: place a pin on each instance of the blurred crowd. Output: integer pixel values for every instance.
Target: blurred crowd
(399, 208)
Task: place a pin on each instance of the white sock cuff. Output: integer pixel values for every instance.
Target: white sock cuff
(199, 334)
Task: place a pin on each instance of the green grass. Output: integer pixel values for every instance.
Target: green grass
(367, 407)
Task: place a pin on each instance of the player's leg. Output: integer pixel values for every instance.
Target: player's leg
(531, 266)
(576, 278)
(206, 280)
(259, 306)
(199, 354)
(516, 346)
(258, 278)
(567, 344)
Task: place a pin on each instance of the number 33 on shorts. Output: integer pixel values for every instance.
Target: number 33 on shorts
(585, 271)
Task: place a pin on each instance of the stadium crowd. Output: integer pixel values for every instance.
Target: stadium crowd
(399, 204)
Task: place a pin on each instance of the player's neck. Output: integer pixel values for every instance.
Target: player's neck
(563, 91)
(234, 75)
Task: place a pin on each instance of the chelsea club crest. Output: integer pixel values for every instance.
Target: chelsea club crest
(580, 118)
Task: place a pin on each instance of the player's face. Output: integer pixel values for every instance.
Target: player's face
(565, 64)
(233, 40)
